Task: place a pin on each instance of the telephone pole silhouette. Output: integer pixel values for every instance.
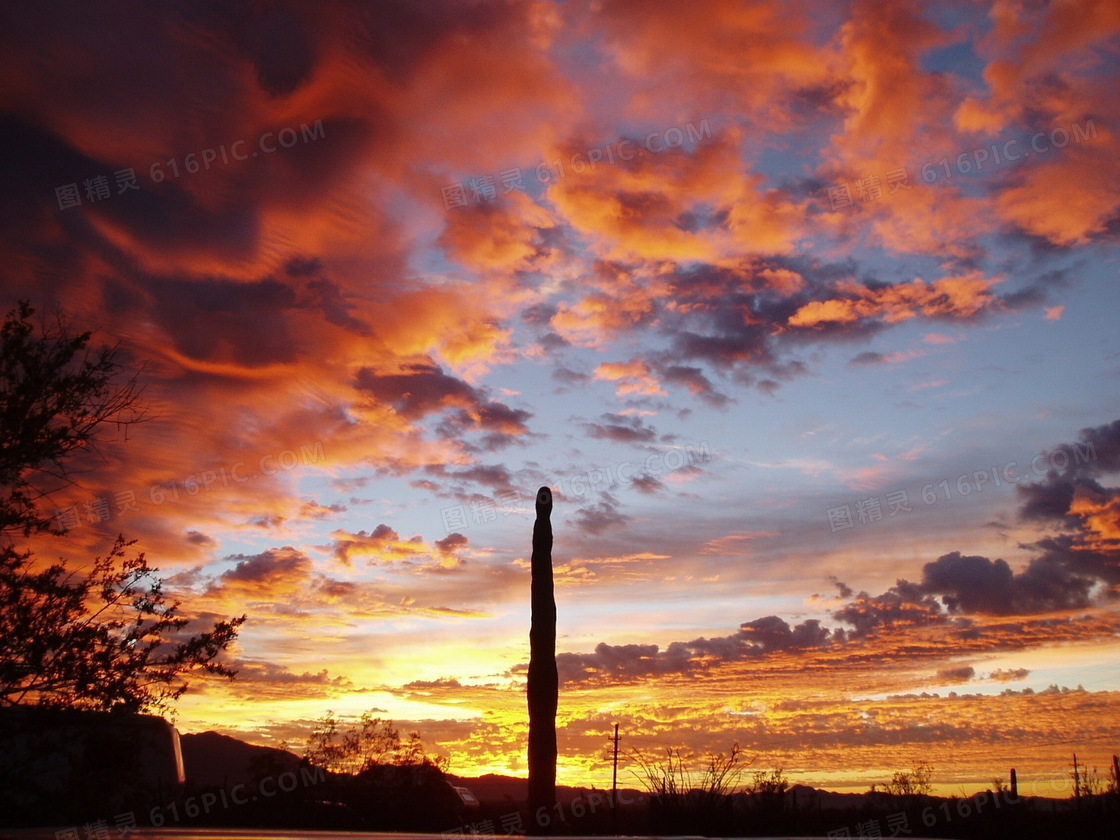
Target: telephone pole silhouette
(614, 784)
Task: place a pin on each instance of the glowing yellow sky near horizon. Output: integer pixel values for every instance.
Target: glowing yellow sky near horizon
(800, 712)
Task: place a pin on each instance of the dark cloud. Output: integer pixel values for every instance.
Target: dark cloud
(1009, 675)
(1047, 499)
(1040, 290)
(271, 672)
(598, 517)
(570, 377)
(695, 381)
(400, 35)
(646, 483)
(331, 299)
(724, 326)
(554, 341)
(956, 584)
(868, 357)
(1103, 445)
(498, 417)
(488, 475)
(1070, 468)
(421, 389)
(34, 163)
(165, 215)
(845, 590)
(452, 543)
(269, 569)
(1071, 493)
(245, 323)
(539, 313)
(284, 50)
(772, 634)
(432, 685)
(1051, 584)
(384, 532)
(1069, 552)
(202, 540)
(1051, 690)
(621, 429)
(903, 604)
(962, 674)
(1071, 571)
(338, 590)
(611, 661)
(971, 584)
(736, 320)
(743, 344)
(503, 425)
(753, 640)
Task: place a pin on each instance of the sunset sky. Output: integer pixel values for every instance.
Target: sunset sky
(806, 311)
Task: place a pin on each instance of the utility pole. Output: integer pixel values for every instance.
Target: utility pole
(1076, 782)
(614, 781)
(614, 784)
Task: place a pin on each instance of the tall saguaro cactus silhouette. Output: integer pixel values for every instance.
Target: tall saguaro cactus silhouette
(544, 684)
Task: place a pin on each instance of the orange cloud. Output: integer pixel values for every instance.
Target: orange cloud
(662, 206)
(503, 235)
(1047, 75)
(454, 322)
(960, 296)
(884, 148)
(1099, 513)
(1071, 196)
(620, 299)
(1029, 46)
(880, 56)
(633, 377)
(272, 574)
(939, 338)
(717, 55)
(384, 545)
(782, 280)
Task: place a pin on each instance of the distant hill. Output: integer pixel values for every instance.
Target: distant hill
(214, 760)
(492, 788)
(394, 802)
(499, 790)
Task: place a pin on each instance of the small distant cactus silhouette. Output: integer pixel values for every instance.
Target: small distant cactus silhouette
(543, 682)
